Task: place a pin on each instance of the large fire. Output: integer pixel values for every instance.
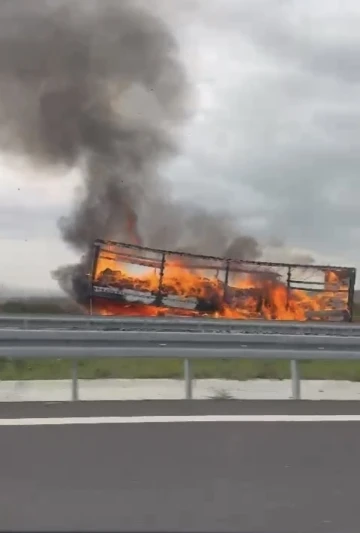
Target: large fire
(244, 295)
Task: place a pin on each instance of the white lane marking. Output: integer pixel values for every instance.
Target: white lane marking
(96, 420)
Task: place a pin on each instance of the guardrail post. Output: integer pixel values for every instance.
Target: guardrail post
(188, 379)
(74, 381)
(295, 380)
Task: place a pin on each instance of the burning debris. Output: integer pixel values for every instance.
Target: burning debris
(133, 280)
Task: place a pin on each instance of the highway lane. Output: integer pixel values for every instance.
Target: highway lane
(177, 408)
(244, 477)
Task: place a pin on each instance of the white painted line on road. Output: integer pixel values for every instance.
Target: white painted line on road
(103, 420)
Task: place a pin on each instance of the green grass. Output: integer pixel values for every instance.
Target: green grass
(160, 368)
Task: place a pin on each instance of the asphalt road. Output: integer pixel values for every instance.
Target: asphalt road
(245, 477)
(177, 407)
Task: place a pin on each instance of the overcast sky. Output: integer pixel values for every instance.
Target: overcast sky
(275, 137)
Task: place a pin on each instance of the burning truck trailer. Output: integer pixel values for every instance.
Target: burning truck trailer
(138, 281)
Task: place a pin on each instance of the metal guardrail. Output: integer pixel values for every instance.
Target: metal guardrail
(176, 342)
(105, 323)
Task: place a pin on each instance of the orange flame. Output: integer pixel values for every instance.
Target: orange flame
(250, 296)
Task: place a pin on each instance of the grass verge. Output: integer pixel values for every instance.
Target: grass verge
(160, 368)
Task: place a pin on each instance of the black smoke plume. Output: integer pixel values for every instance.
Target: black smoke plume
(101, 85)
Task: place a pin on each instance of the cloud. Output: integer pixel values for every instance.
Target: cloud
(279, 141)
(276, 133)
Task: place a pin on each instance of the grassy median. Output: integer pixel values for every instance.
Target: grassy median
(159, 368)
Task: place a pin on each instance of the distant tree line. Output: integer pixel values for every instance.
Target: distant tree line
(45, 305)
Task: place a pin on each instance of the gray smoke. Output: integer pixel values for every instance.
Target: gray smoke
(100, 85)
(193, 229)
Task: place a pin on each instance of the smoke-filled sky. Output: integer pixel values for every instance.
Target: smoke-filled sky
(273, 139)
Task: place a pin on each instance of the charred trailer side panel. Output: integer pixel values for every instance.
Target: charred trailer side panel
(129, 279)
